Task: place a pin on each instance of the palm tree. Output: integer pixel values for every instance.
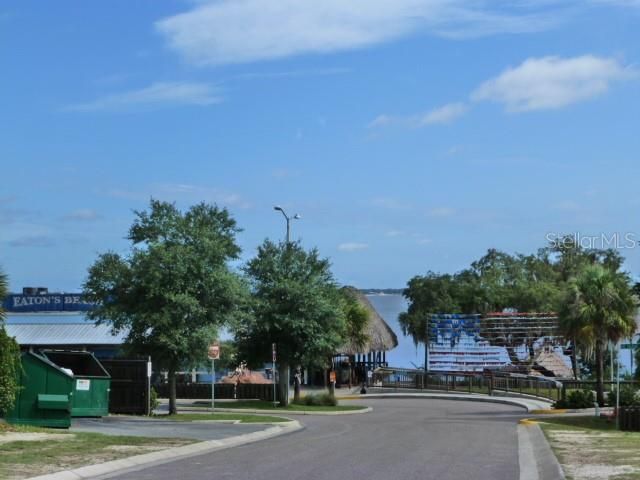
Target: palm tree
(599, 308)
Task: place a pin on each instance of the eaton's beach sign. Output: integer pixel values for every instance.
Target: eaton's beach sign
(55, 302)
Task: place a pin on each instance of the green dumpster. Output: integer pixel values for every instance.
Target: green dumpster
(45, 394)
(91, 382)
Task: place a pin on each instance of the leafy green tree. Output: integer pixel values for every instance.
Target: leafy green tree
(599, 308)
(296, 305)
(174, 289)
(9, 358)
(428, 294)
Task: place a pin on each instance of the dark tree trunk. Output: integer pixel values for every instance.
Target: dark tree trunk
(599, 372)
(172, 391)
(283, 386)
(574, 359)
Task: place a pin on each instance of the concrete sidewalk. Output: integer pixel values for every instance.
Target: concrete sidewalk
(528, 404)
(145, 427)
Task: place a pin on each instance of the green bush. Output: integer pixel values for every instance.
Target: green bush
(153, 400)
(577, 399)
(320, 400)
(629, 396)
(9, 368)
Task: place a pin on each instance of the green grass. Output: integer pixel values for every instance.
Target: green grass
(23, 459)
(582, 442)
(242, 417)
(586, 422)
(262, 405)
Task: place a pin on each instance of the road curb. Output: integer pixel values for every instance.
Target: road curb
(137, 462)
(535, 457)
(281, 413)
(465, 398)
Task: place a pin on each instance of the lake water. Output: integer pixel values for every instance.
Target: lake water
(406, 354)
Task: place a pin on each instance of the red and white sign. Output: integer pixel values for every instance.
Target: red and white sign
(214, 352)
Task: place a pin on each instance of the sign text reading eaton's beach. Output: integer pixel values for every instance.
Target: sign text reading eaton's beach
(57, 302)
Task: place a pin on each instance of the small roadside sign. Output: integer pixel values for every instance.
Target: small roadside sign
(370, 374)
(273, 352)
(332, 376)
(214, 351)
(629, 346)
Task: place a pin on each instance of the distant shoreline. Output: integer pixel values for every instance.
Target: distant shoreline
(382, 291)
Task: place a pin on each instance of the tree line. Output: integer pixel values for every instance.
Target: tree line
(176, 288)
(595, 300)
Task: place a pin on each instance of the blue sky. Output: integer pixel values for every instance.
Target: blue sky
(411, 135)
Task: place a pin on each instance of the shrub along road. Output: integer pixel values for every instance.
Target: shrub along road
(401, 438)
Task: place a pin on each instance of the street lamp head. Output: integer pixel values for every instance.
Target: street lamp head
(277, 207)
(297, 216)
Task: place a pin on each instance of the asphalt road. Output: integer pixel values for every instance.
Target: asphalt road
(401, 439)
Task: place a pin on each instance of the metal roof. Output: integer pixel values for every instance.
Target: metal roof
(47, 318)
(59, 333)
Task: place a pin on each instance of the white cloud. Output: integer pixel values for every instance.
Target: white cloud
(445, 114)
(619, 3)
(394, 233)
(185, 192)
(438, 116)
(238, 31)
(82, 215)
(441, 212)
(312, 72)
(284, 173)
(38, 241)
(352, 246)
(552, 82)
(160, 94)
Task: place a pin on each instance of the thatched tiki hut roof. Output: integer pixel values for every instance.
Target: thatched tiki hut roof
(380, 337)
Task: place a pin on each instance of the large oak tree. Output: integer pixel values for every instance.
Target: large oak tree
(174, 289)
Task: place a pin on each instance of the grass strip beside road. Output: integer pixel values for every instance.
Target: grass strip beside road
(58, 450)
(222, 417)
(591, 447)
(292, 407)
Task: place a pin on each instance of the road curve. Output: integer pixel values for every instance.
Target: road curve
(401, 439)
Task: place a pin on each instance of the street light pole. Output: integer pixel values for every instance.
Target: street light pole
(288, 219)
(284, 373)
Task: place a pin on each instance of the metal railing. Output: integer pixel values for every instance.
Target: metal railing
(491, 383)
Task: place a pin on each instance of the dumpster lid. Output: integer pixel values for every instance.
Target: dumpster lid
(81, 363)
(44, 359)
